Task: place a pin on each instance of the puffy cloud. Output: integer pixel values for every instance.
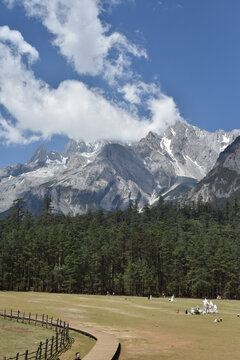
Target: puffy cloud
(17, 43)
(72, 109)
(164, 113)
(137, 91)
(82, 38)
(12, 134)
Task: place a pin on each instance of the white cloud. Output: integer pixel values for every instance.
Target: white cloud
(82, 38)
(135, 92)
(12, 134)
(17, 43)
(164, 113)
(72, 109)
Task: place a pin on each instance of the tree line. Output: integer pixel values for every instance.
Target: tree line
(191, 250)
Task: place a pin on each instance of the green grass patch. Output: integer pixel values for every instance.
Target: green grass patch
(18, 337)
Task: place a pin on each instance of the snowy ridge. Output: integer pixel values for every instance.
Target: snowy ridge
(109, 175)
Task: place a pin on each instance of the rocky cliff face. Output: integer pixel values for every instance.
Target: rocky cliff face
(182, 156)
(107, 175)
(224, 179)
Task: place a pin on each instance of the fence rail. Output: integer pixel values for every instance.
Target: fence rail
(49, 348)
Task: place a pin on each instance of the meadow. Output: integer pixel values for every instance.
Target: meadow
(147, 329)
(17, 337)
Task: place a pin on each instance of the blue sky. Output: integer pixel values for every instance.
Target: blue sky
(114, 69)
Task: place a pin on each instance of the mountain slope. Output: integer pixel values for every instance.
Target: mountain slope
(109, 176)
(224, 179)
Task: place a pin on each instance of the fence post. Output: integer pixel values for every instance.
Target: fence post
(42, 319)
(56, 342)
(61, 339)
(51, 322)
(67, 334)
(36, 319)
(4, 314)
(18, 315)
(46, 349)
(26, 355)
(11, 315)
(64, 336)
(17, 356)
(23, 317)
(51, 350)
(57, 326)
(29, 318)
(64, 332)
(40, 350)
(47, 321)
(36, 357)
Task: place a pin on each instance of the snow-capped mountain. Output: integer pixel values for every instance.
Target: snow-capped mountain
(223, 180)
(109, 175)
(182, 156)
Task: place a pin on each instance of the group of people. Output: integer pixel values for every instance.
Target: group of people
(208, 308)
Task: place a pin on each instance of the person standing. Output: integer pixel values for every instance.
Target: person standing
(78, 356)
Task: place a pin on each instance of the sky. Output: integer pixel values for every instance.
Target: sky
(114, 69)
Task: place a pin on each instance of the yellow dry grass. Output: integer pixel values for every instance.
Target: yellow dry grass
(148, 330)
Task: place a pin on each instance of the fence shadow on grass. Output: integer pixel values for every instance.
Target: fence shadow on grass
(49, 349)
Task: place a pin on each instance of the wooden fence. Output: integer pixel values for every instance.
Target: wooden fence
(49, 348)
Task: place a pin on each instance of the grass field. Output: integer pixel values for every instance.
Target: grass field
(148, 330)
(17, 337)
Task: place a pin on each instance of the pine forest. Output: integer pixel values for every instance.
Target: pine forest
(189, 251)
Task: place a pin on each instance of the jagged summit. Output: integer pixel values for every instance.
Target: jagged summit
(39, 156)
(75, 146)
(223, 180)
(230, 157)
(109, 175)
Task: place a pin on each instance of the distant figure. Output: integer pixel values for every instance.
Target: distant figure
(177, 311)
(77, 356)
(150, 297)
(197, 310)
(186, 311)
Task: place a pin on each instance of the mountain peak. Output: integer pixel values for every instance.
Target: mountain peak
(233, 148)
(74, 146)
(107, 175)
(40, 155)
(224, 179)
